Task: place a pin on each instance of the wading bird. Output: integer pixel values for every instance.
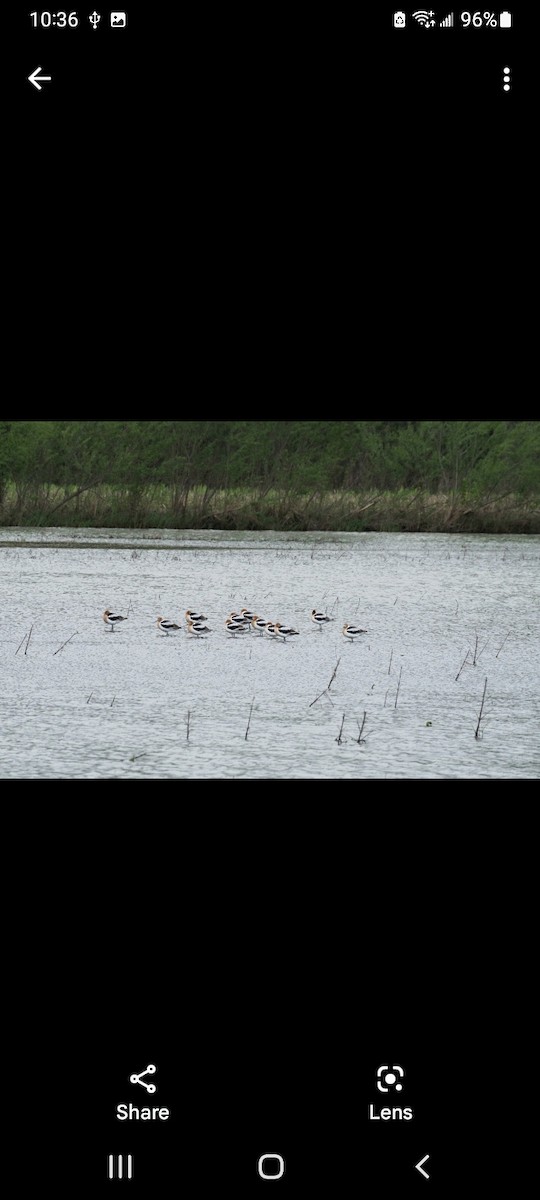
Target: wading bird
(197, 628)
(320, 618)
(111, 619)
(285, 631)
(167, 626)
(352, 631)
(236, 626)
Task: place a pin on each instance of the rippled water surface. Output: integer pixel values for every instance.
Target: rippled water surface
(115, 705)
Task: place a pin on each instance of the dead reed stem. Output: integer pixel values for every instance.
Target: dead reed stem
(481, 708)
(20, 644)
(65, 643)
(360, 729)
(249, 719)
(328, 686)
(462, 666)
(500, 647)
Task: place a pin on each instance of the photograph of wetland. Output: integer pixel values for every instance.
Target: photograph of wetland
(338, 600)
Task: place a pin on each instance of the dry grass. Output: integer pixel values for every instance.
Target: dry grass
(201, 508)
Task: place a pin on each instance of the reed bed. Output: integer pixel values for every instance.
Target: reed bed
(155, 507)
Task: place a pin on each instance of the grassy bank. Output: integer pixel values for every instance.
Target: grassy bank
(160, 507)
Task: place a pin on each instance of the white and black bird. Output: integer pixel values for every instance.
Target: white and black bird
(352, 632)
(320, 618)
(198, 628)
(191, 615)
(167, 626)
(259, 624)
(235, 626)
(285, 631)
(111, 619)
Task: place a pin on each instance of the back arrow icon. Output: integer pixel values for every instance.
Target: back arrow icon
(34, 77)
(418, 1166)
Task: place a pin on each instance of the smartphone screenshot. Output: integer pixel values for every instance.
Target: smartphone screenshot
(234, 206)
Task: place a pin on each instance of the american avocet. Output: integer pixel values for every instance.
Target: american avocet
(352, 631)
(259, 624)
(271, 629)
(319, 617)
(167, 626)
(191, 615)
(246, 615)
(111, 619)
(285, 631)
(198, 628)
(235, 626)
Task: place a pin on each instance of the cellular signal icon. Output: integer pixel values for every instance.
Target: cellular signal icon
(423, 17)
(448, 22)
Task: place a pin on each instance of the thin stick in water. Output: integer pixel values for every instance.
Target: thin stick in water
(65, 643)
(187, 725)
(500, 647)
(360, 728)
(112, 701)
(462, 666)
(339, 738)
(328, 686)
(334, 673)
(28, 641)
(90, 697)
(399, 681)
(475, 649)
(20, 644)
(249, 719)
(481, 707)
(390, 663)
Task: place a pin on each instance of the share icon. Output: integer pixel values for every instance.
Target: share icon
(149, 1070)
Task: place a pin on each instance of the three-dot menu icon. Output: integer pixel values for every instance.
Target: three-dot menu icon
(507, 79)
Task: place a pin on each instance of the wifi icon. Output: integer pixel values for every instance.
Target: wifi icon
(423, 17)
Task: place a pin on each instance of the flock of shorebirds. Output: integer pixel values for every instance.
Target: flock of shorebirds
(237, 623)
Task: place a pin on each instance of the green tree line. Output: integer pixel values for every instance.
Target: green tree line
(181, 468)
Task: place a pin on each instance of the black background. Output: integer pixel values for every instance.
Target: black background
(267, 956)
(234, 1101)
(241, 200)
(292, 1074)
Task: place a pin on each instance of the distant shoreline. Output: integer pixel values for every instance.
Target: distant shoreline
(402, 511)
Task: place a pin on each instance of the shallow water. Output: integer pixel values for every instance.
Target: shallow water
(116, 705)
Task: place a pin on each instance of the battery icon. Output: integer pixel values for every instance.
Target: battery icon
(505, 21)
